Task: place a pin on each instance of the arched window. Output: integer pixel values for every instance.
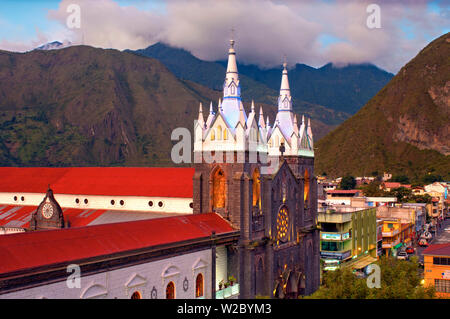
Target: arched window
(219, 133)
(170, 290)
(219, 189)
(225, 134)
(306, 187)
(233, 89)
(213, 135)
(136, 295)
(199, 286)
(256, 188)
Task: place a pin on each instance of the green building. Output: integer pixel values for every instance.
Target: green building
(348, 236)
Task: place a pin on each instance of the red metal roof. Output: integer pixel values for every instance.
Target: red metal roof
(19, 216)
(343, 191)
(42, 248)
(438, 250)
(396, 185)
(117, 181)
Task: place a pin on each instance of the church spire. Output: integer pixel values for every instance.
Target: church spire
(285, 100)
(231, 85)
(201, 120)
(261, 118)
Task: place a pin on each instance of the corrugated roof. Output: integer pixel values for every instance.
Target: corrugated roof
(116, 181)
(43, 248)
(438, 250)
(19, 216)
(343, 191)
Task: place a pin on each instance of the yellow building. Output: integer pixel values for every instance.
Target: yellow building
(391, 233)
(437, 268)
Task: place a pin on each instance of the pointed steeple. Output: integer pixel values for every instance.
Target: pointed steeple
(285, 100)
(231, 86)
(295, 125)
(211, 116)
(201, 120)
(253, 106)
(261, 118)
(242, 116)
(309, 132)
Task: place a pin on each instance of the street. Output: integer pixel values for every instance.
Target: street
(441, 236)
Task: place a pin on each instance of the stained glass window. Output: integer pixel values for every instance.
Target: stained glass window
(283, 224)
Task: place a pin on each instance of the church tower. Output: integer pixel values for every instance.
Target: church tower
(48, 215)
(232, 179)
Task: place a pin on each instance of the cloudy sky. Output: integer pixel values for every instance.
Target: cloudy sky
(310, 32)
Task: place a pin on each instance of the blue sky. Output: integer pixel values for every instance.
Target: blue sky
(196, 24)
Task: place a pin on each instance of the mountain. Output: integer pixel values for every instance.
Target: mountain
(403, 129)
(341, 89)
(210, 74)
(82, 106)
(54, 45)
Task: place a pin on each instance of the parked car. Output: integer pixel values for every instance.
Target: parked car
(402, 255)
(423, 242)
(410, 250)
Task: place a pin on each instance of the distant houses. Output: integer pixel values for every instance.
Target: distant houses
(356, 229)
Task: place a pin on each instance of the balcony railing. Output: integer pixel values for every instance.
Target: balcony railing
(340, 255)
(231, 292)
(390, 233)
(390, 244)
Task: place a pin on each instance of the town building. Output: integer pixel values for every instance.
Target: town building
(343, 197)
(389, 186)
(437, 268)
(348, 237)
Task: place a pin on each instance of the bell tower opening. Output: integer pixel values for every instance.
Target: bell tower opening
(306, 187)
(256, 188)
(218, 189)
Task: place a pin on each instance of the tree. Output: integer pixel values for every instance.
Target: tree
(431, 178)
(403, 179)
(373, 190)
(403, 194)
(400, 279)
(347, 182)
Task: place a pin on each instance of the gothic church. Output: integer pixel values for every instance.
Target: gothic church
(260, 178)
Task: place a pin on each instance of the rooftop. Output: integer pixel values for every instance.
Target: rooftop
(116, 181)
(438, 250)
(19, 216)
(25, 251)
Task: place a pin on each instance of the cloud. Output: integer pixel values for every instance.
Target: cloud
(266, 30)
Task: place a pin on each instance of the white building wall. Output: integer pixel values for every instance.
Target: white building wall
(221, 265)
(135, 203)
(122, 283)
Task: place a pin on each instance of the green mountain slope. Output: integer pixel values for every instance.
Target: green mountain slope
(404, 129)
(86, 106)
